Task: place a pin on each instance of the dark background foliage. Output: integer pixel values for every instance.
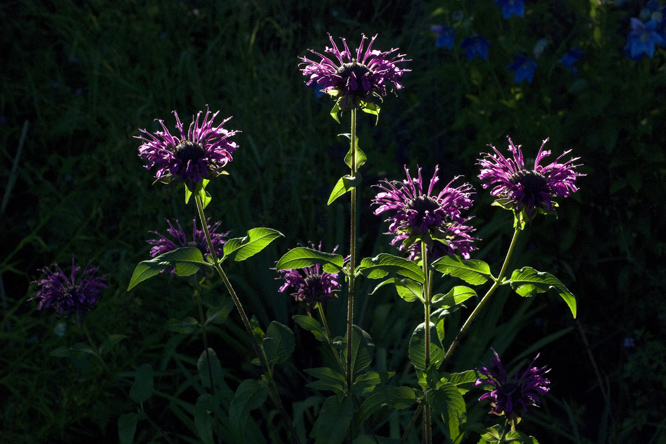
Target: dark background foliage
(80, 77)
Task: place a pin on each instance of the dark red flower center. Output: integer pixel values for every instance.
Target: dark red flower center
(187, 150)
(358, 69)
(532, 181)
(314, 286)
(422, 204)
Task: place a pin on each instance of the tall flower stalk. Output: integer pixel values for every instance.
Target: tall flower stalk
(352, 253)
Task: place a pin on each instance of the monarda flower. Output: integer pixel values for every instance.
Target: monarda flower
(436, 219)
(512, 398)
(69, 297)
(310, 284)
(527, 191)
(199, 154)
(162, 244)
(355, 80)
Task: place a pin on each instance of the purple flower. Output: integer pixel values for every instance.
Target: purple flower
(475, 46)
(513, 397)
(526, 191)
(69, 297)
(163, 244)
(310, 284)
(510, 7)
(355, 79)
(523, 67)
(436, 220)
(445, 36)
(570, 58)
(642, 39)
(200, 153)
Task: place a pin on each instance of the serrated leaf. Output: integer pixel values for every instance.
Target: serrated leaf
(457, 295)
(127, 427)
(395, 397)
(417, 351)
(474, 272)
(250, 395)
(110, 342)
(242, 248)
(78, 349)
(461, 377)
(185, 326)
(142, 388)
(186, 255)
(279, 343)
(448, 402)
(365, 384)
(407, 289)
(311, 324)
(344, 185)
(384, 263)
(301, 257)
(527, 282)
(202, 418)
(333, 420)
(215, 368)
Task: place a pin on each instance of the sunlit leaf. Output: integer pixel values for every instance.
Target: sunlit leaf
(301, 257)
(527, 282)
(189, 258)
(383, 264)
(242, 248)
(345, 184)
(474, 272)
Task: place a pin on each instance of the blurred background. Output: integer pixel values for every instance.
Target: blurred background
(79, 78)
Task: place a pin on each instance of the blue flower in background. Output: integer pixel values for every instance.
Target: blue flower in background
(523, 67)
(570, 58)
(475, 46)
(510, 7)
(445, 36)
(642, 39)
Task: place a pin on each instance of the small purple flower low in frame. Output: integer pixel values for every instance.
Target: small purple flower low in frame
(200, 153)
(312, 284)
(355, 79)
(527, 191)
(162, 244)
(513, 397)
(436, 219)
(70, 297)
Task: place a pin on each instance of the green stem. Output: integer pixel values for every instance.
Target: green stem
(274, 394)
(484, 300)
(427, 292)
(352, 254)
(202, 323)
(328, 336)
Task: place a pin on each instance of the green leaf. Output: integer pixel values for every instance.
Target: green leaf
(250, 395)
(215, 366)
(186, 326)
(361, 345)
(279, 343)
(520, 437)
(407, 289)
(365, 384)
(311, 324)
(457, 295)
(417, 352)
(110, 342)
(127, 427)
(327, 379)
(217, 315)
(333, 420)
(461, 378)
(395, 397)
(202, 418)
(301, 257)
(473, 271)
(142, 388)
(383, 264)
(527, 282)
(361, 158)
(242, 248)
(78, 349)
(185, 260)
(371, 108)
(345, 184)
(334, 112)
(448, 401)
